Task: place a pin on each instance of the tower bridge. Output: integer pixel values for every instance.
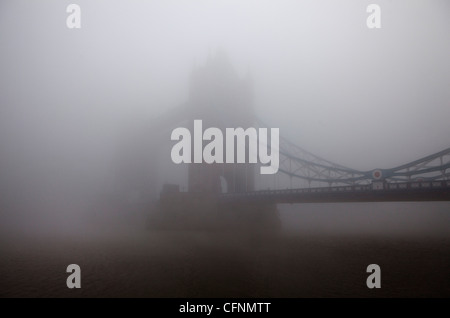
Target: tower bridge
(220, 98)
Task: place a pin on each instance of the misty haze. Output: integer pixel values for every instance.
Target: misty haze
(87, 177)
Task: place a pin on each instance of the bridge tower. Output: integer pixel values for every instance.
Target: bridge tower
(220, 98)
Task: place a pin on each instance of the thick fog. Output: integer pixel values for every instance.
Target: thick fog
(71, 100)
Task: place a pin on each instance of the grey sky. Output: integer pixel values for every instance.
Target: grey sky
(359, 97)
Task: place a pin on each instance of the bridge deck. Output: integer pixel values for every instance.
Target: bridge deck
(394, 192)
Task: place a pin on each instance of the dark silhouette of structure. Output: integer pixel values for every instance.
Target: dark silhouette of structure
(220, 99)
(228, 192)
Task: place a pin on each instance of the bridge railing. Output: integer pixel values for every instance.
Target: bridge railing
(350, 188)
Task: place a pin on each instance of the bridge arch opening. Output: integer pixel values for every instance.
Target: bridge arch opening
(223, 185)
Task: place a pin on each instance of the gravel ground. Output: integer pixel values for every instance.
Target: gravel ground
(194, 264)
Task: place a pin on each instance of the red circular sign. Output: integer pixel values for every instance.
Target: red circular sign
(377, 174)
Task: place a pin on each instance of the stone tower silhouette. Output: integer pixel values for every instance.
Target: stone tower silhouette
(220, 98)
